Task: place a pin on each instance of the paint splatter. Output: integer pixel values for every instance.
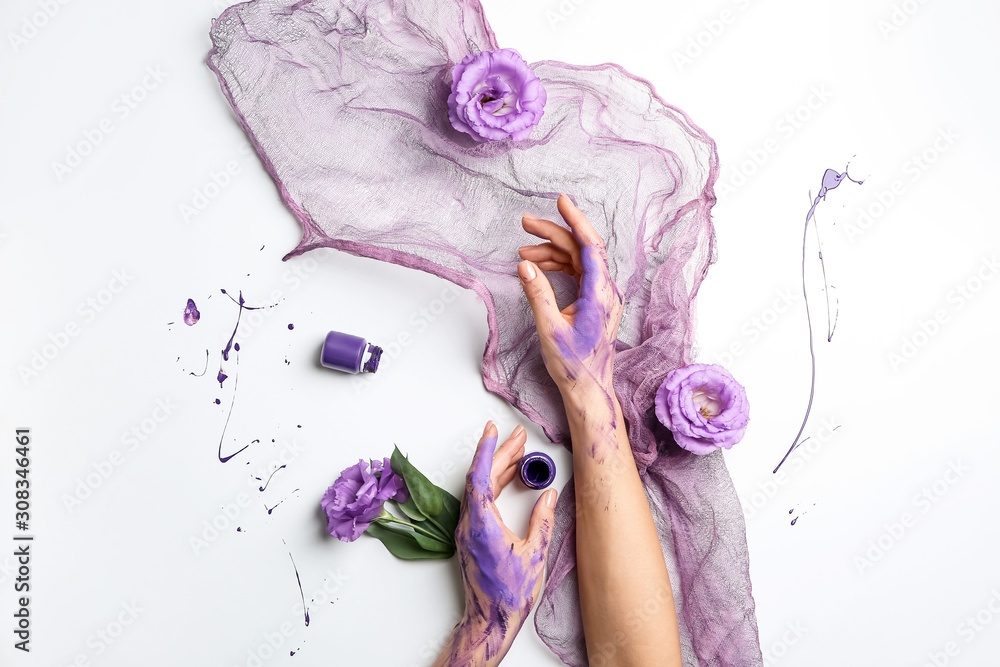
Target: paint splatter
(218, 402)
(831, 180)
(305, 609)
(191, 314)
(204, 370)
(291, 326)
(269, 478)
(236, 382)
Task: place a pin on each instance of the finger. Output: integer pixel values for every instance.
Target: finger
(542, 521)
(478, 478)
(560, 237)
(505, 478)
(556, 266)
(507, 452)
(578, 222)
(545, 252)
(541, 298)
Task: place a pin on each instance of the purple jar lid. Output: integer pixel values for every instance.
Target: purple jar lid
(537, 470)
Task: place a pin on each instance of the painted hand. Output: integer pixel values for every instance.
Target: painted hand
(578, 343)
(502, 573)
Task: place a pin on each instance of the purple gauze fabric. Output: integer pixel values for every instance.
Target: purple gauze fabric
(346, 104)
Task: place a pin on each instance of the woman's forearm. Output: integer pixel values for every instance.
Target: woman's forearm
(627, 604)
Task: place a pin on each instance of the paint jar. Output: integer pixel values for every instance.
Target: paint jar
(536, 470)
(350, 354)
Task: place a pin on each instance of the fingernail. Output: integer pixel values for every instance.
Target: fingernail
(550, 498)
(517, 431)
(526, 271)
(486, 430)
(531, 216)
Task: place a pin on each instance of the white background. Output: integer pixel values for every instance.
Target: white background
(871, 574)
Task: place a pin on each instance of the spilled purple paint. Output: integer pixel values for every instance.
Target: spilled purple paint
(191, 314)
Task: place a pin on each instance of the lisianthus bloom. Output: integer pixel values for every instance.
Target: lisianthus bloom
(704, 407)
(495, 95)
(357, 496)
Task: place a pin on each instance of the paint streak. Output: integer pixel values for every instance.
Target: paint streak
(242, 304)
(831, 180)
(191, 314)
(236, 382)
(305, 609)
(269, 478)
(198, 375)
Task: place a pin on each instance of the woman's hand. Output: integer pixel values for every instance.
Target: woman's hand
(578, 343)
(502, 573)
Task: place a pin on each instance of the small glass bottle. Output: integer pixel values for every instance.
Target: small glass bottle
(537, 470)
(350, 354)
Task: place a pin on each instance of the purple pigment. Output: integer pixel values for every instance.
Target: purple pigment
(291, 326)
(269, 478)
(305, 609)
(191, 314)
(537, 470)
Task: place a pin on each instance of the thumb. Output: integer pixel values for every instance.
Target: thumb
(541, 298)
(543, 521)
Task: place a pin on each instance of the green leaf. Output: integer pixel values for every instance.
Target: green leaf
(425, 495)
(448, 518)
(403, 544)
(434, 545)
(410, 510)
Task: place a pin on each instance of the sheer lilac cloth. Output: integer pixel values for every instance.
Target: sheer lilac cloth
(345, 103)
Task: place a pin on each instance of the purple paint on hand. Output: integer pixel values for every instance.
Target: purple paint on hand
(191, 314)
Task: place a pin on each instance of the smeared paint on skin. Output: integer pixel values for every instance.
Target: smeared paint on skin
(191, 314)
(505, 580)
(586, 340)
(831, 180)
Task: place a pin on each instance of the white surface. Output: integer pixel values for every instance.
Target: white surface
(901, 429)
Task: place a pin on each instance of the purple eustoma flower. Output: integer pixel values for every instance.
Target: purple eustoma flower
(704, 407)
(495, 95)
(357, 496)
